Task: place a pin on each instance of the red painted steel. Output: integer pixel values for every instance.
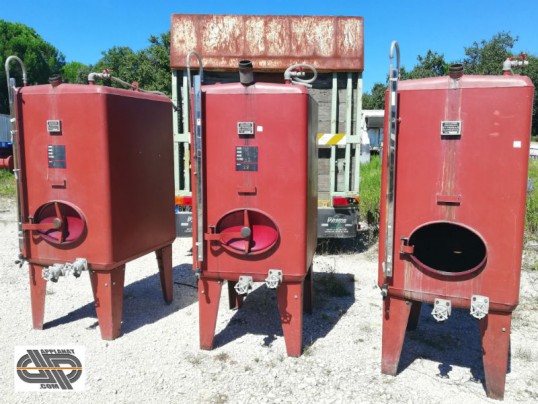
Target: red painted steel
(272, 42)
(460, 207)
(98, 185)
(276, 200)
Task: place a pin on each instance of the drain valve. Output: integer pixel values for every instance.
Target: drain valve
(243, 285)
(75, 268)
(479, 306)
(441, 309)
(274, 278)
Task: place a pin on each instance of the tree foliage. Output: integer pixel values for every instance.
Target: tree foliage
(485, 58)
(375, 99)
(41, 58)
(148, 67)
(76, 73)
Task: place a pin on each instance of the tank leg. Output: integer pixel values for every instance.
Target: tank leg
(290, 306)
(414, 316)
(208, 302)
(38, 287)
(235, 300)
(495, 333)
(108, 295)
(308, 291)
(395, 317)
(164, 259)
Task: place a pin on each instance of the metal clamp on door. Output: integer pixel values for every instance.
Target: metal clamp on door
(244, 233)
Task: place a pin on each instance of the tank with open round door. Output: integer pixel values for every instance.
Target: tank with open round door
(447, 248)
(62, 222)
(247, 231)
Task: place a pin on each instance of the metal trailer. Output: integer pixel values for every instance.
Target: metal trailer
(333, 45)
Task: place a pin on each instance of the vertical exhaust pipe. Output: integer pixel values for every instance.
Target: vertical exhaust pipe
(246, 76)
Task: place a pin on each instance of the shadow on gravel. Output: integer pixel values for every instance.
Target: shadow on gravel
(454, 342)
(333, 296)
(143, 301)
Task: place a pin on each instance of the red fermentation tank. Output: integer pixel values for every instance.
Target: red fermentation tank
(454, 179)
(255, 200)
(95, 188)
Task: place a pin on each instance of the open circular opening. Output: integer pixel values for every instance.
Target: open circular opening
(72, 222)
(262, 234)
(448, 248)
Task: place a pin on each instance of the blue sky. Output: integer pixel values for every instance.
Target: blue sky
(82, 30)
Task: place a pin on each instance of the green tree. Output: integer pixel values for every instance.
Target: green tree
(76, 73)
(41, 58)
(375, 99)
(148, 67)
(431, 65)
(487, 57)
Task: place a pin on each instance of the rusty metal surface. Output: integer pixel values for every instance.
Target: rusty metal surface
(272, 42)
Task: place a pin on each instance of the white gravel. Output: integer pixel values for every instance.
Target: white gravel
(157, 359)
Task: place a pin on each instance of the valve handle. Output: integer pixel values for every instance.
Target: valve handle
(245, 233)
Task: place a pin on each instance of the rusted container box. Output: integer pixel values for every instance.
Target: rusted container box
(96, 172)
(459, 209)
(256, 219)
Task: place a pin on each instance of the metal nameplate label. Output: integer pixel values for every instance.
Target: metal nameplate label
(451, 128)
(54, 126)
(245, 128)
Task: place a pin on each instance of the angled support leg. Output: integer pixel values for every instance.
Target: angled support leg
(308, 291)
(495, 333)
(414, 316)
(38, 287)
(290, 306)
(235, 301)
(208, 302)
(164, 259)
(395, 317)
(108, 295)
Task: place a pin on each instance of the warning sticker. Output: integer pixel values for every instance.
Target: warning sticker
(246, 158)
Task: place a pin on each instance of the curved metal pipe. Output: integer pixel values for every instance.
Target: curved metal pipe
(293, 76)
(15, 135)
(23, 67)
(200, 69)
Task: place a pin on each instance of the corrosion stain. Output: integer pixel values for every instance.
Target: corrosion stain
(272, 42)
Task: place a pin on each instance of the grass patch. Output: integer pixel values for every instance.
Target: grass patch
(332, 284)
(531, 218)
(370, 193)
(7, 184)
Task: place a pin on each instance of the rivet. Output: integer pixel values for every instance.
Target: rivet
(106, 285)
(504, 329)
(113, 283)
(203, 292)
(296, 297)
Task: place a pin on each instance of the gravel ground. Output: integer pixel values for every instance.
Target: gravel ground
(157, 358)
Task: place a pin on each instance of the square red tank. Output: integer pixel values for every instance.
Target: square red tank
(96, 170)
(462, 150)
(259, 199)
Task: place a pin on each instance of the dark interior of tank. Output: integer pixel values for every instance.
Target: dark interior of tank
(448, 247)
